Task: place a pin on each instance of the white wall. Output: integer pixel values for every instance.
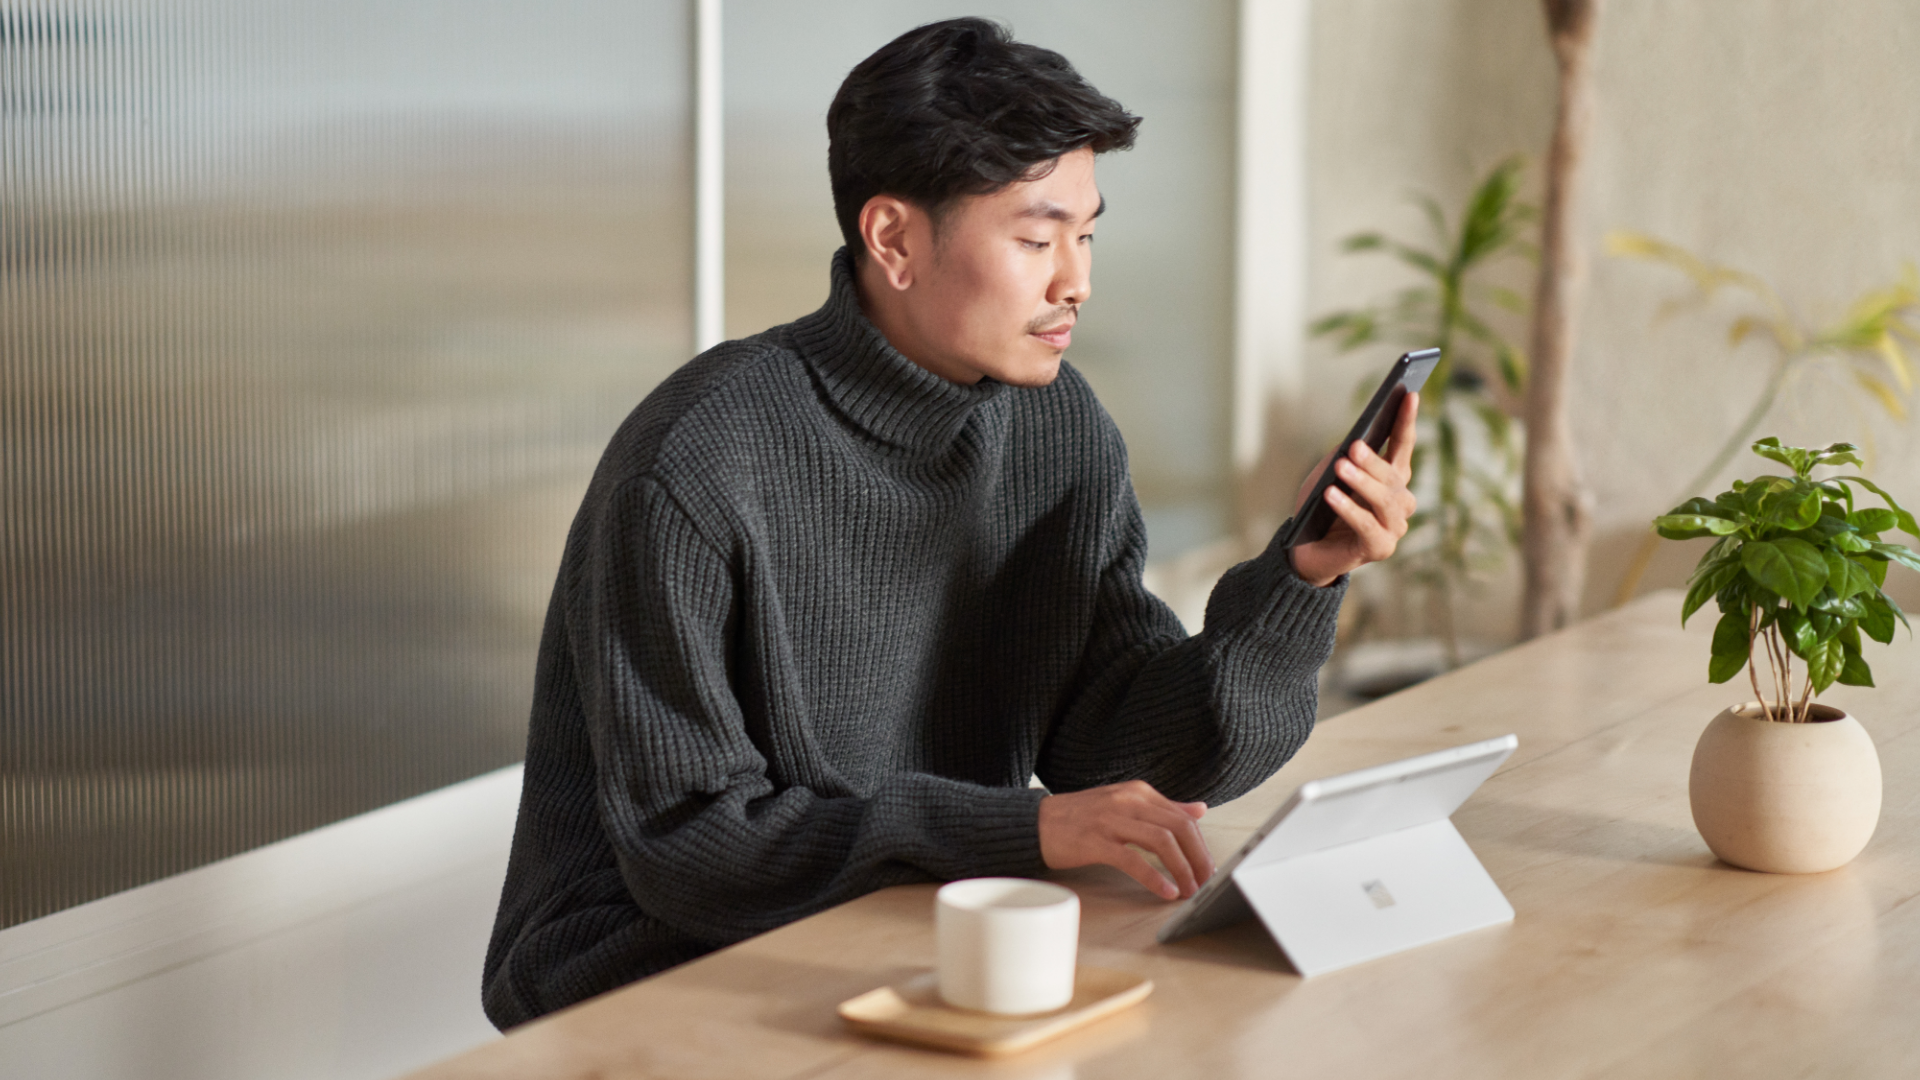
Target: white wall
(1782, 136)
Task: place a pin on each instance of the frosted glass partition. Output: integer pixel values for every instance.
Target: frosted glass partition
(314, 319)
(1156, 341)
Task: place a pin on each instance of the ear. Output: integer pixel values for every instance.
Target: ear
(885, 223)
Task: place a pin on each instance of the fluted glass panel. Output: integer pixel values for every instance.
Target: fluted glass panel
(314, 319)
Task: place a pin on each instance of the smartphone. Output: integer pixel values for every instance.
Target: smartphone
(1408, 375)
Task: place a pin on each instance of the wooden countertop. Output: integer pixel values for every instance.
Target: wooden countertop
(1634, 953)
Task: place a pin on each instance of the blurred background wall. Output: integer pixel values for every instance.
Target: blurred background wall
(1779, 136)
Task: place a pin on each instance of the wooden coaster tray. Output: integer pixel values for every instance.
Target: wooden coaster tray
(913, 1012)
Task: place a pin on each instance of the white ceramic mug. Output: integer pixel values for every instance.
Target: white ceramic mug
(1007, 945)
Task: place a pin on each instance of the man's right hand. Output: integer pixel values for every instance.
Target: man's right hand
(1083, 828)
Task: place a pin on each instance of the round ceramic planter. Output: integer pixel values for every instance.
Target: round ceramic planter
(1785, 798)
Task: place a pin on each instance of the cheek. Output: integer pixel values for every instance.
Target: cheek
(998, 301)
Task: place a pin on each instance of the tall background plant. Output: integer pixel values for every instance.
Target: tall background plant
(1866, 347)
(1473, 520)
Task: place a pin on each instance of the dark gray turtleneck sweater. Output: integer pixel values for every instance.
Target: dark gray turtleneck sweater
(820, 617)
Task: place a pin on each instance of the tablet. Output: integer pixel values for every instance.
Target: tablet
(1340, 810)
(1375, 426)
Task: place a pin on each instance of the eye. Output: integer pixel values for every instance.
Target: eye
(1086, 238)
(1035, 245)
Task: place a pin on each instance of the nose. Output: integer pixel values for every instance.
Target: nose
(1072, 275)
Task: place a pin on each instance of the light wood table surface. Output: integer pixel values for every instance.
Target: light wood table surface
(1634, 952)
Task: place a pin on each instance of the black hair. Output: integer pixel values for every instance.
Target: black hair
(959, 108)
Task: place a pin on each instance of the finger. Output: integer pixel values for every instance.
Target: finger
(1185, 832)
(1195, 846)
(1382, 469)
(1195, 810)
(1384, 495)
(1365, 479)
(1135, 866)
(1161, 842)
(1373, 539)
(1400, 447)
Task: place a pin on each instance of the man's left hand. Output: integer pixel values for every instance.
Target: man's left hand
(1367, 528)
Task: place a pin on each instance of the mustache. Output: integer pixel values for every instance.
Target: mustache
(1053, 319)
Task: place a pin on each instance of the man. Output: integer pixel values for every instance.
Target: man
(838, 590)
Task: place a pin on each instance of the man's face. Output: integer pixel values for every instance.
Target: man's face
(1001, 285)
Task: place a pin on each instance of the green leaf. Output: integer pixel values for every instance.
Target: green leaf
(1853, 607)
(1907, 524)
(1800, 461)
(1878, 620)
(1824, 664)
(1732, 644)
(1688, 526)
(1708, 579)
(1898, 553)
(1850, 542)
(1833, 519)
(1854, 670)
(1844, 576)
(1513, 367)
(1876, 568)
(1353, 328)
(1897, 613)
(1792, 568)
(1840, 453)
(1418, 259)
(1808, 512)
(1701, 506)
(1873, 519)
(1825, 623)
(1743, 592)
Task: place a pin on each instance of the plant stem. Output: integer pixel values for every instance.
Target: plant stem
(1753, 672)
(1775, 664)
(1806, 700)
(1786, 671)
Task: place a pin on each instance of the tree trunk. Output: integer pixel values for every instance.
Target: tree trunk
(1556, 511)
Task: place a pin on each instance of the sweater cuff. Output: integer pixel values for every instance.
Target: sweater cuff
(1291, 602)
(1002, 833)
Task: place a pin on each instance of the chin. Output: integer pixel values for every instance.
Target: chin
(1031, 374)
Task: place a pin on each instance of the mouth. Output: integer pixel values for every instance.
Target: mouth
(1058, 337)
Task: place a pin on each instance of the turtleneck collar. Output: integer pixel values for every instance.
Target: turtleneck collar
(872, 384)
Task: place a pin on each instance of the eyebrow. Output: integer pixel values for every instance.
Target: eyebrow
(1055, 212)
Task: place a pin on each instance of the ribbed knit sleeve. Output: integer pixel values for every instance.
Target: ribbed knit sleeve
(1207, 717)
(707, 839)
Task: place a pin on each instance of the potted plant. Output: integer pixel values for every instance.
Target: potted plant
(1784, 784)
